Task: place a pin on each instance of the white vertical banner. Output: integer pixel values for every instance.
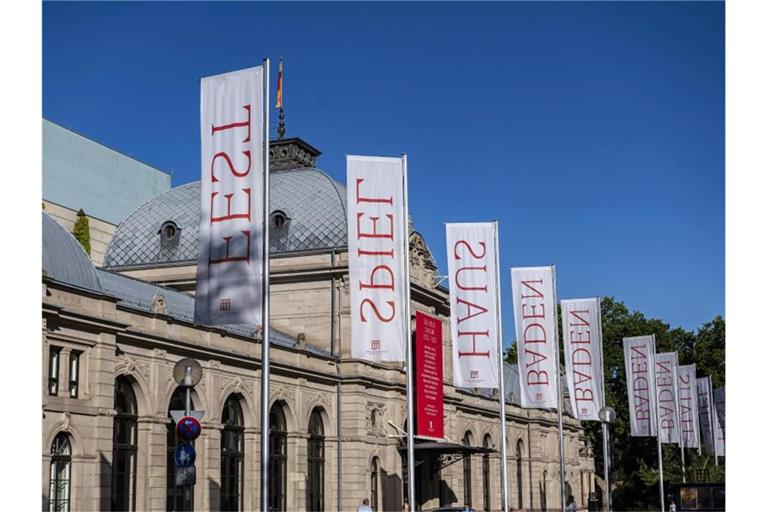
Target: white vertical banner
(533, 299)
(704, 391)
(639, 362)
(718, 397)
(377, 241)
(666, 397)
(583, 344)
(229, 268)
(473, 281)
(688, 406)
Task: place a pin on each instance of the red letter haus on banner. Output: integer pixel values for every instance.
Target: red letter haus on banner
(230, 262)
(473, 278)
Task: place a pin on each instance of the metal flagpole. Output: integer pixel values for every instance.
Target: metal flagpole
(502, 393)
(606, 469)
(409, 347)
(559, 398)
(712, 417)
(606, 428)
(658, 428)
(265, 304)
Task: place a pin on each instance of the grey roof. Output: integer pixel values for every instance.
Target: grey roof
(65, 261)
(64, 258)
(138, 294)
(313, 202)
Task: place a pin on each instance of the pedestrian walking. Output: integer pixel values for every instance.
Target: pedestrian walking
(365, 507)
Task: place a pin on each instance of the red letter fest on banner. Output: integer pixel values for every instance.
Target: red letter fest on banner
(377, 259)
(429, 376)
(229, 268)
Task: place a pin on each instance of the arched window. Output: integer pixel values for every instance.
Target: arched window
(232, 440)
(315, 463)
(124, 434)
(544, 492)
(487, 475)
(124, 446)
(519, 461)
(61, 470)
(375, 484)
(174, 496)
(278, 455)
(467, 441)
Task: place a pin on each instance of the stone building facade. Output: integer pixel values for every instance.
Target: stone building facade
(112, 335)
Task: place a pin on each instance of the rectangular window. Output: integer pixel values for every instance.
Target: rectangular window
(53, 371)
(74, 373)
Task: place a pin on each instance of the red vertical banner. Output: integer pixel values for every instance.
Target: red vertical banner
(429, 376)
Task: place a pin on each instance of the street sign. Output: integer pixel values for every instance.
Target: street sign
(184, 476)
(188, 428)
(185, 455)
(177, 414)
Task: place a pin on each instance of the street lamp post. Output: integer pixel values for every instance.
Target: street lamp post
(607, 416)
(187, 373)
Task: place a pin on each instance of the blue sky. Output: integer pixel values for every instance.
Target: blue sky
(593, 132)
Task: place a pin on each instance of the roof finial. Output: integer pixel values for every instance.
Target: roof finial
(279, 103)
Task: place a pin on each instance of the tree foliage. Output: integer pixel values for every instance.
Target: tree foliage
(635, 475)
(82, 231)
(635, 461)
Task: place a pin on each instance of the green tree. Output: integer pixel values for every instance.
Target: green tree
(635, 462)
(82, 231)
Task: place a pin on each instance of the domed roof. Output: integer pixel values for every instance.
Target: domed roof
(64, 258)
(314, 206)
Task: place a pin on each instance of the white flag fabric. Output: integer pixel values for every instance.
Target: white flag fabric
(704, 390)
(377, 257)
(688, 405)
(639, 362)
(229, 268)
(666, 397)
(473, 278)
(718, 396)
(583, 344)
(533, 298)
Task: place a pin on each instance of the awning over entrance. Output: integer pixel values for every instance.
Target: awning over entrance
(444, 453)
(426, 448)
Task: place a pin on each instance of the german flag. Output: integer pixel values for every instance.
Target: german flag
(279, 103)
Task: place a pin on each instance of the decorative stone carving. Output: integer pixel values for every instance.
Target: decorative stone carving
(374, 416)
(279, 392)
(159, 306)
(422, 263)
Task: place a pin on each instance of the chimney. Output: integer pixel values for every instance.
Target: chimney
(292, 153)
